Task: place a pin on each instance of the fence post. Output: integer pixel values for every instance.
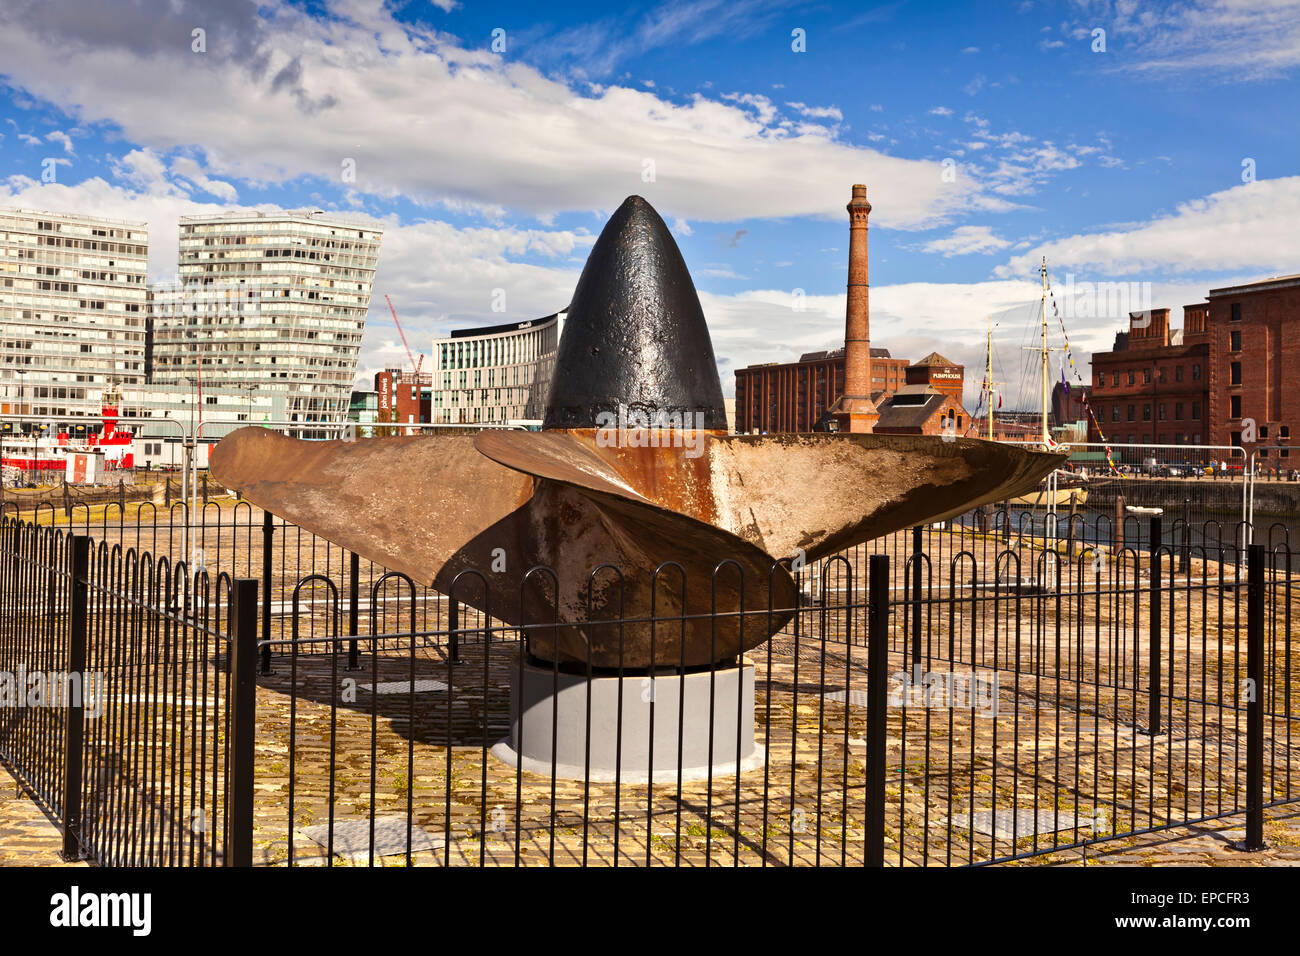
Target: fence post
(916, 596)
(1069, 527)
(354, 611)
(1255, 702)
(453, 627)
(74, 739)
(877, 707)
(241, 705)
(1185, 554)
(1155, 621)
(268, 543)
(1117, 533)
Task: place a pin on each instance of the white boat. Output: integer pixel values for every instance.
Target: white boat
(1053, 498)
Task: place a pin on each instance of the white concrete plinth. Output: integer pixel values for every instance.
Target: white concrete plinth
(650, 706)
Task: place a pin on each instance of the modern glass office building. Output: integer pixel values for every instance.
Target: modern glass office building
(497, 374)
(271, 301)
(73, 305)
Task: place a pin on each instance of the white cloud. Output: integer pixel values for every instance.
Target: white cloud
(763, 108)
(939, 111)
(60, 137)
(1247, 227)
(145, 170)
(719, 271)
(1018, 164)
(440, 124)
(187, 168)
(817, 112)
(1233, 40)
(441, 277)
(966, 240)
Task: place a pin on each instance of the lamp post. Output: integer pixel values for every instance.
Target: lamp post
(187, 462)
(1155, 404)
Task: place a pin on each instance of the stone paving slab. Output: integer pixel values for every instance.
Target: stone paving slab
(27, 836)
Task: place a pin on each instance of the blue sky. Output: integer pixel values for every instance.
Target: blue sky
(988, 136)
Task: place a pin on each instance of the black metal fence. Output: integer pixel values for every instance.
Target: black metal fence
(981, 692)
(116, 716)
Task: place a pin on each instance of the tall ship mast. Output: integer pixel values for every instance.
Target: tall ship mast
(1054, 492)
(989, 390)
(1047, 434)
(1045, 398)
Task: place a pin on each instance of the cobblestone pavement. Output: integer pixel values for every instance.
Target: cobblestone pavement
(1077, 761)
(29, 838)
(1204, 845)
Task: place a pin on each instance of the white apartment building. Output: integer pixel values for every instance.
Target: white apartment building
(495, 375)
(275, 302)
(72, 311)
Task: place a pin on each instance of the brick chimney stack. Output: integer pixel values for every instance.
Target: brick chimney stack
(855, 411)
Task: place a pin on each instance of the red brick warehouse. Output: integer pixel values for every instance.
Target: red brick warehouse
(793, 396)
(1229, 377)
(1254, 364)
(1153, 387)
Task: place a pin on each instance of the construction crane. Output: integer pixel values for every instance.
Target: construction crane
(411, 358)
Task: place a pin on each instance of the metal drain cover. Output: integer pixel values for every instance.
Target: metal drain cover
(1025, 823)
(352, 837)
(857, 698)
(403, 687)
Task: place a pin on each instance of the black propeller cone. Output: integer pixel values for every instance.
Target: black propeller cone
(635, 333)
